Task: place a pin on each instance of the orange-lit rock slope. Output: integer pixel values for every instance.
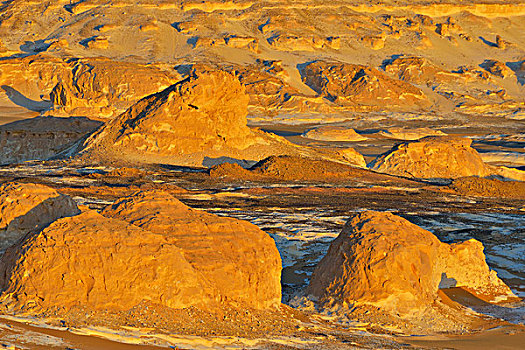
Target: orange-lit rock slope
(146, 247)
(382, 260)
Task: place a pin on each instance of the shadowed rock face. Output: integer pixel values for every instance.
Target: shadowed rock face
(29, 207)
(383, 260)
(346, 83)
(41, 138)
(432, 157)
(146, 247)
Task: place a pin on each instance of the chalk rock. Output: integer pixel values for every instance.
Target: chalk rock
(100, 263)
(238, 259)
(334, 133)
(432, 157)
(383, 260)
(401, 133)
(93, 87)
(198, 121)
(497, 68)
(42, 137)
(357, 84)
(26, 207)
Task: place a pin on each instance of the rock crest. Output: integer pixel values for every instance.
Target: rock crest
(383, 260)
(432, 157)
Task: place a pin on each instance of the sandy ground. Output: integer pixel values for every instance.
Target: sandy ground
(504, 338)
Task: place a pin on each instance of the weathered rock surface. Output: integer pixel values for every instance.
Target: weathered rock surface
(383, 260)
(99, 263)
(90, 87)
(291, 168)
(353, 84)
(235, 257)
(148, 247)
(41, 138)
(28, 207)
(334, 133)
(198, 121)
(432, 157)
(94, 87)
(400, 133)
(474, 186)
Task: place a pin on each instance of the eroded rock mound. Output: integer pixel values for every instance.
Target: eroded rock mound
(334, 133)
(432, 157)
(100, 263)
(475, 186)
(93, 87)
(238, 259)
(290, 168)
(41, 138)
(383, 260)
(401, 133)
(27, 207)
(148, 247)
(198, 121)
(345, 83)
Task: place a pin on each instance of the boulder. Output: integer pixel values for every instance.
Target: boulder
(238, 259)
(199, 121)
(26, 207)
(432, 157)
(101, 264)
(383, 260)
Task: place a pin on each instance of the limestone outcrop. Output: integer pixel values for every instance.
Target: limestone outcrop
(198, 121)
(400, 133)
(26, 207)
(41, 138)
(432, 157)
(235, 257)
(94, 87)
(334, 133)
(101, 264)
(148, 247)
(98, 88)
(293, 168)
(353, 84)
(383, 260)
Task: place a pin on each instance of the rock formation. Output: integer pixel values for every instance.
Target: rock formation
(94, 86)
(432, 157)
(383, 260)
(80, 87)
(101, 264)
(234, 256)
(361, 85)
(400, 133)
(333, 133)
(41, 138)
(292, 168)
(146, 247)
(28, 207)
(198, 121)
(474, 186)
